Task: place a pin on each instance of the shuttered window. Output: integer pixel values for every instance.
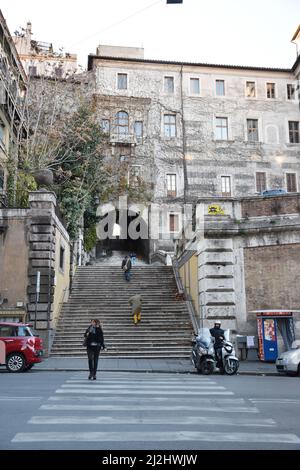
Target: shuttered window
(291, 183)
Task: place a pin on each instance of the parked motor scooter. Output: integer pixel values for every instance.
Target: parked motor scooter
(203, 352)
(227, 363)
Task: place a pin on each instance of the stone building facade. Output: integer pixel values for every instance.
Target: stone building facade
(13, 85)
(34, 240)
(198, 130)
(243, 261)
(39, 58)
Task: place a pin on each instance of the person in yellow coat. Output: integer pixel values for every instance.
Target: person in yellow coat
(136, 307)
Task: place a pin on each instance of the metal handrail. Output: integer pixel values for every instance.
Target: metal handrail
(182, 290)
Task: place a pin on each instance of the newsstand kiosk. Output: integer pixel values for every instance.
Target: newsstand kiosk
(269, 324)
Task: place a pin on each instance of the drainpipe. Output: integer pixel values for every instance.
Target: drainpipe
(185, 184)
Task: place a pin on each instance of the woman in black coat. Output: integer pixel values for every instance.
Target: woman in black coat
(94, 342)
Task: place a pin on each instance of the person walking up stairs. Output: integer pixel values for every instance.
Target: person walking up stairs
(136, 307)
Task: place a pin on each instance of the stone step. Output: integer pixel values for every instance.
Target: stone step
(124, 345)
(140, 347)
(126, 356)
(144, 322)
(101, 291)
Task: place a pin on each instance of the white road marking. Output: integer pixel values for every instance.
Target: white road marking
(144, 382)
(142, 386)
(262, 438)
(155, 407)
(10, 398)
(182, 420)
(144, 392)
(124, 399)
(282, 401)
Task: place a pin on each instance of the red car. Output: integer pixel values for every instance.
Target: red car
(19, 348)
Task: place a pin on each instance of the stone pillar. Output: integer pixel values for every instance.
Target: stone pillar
(216, 283)
(41, 216)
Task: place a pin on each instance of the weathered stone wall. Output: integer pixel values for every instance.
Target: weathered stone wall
(207, 159)
(272, 277)
(46, 237)
(14, 251)
(269, 206)
(194, 155)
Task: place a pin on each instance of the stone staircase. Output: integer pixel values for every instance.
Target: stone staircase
(165, 330)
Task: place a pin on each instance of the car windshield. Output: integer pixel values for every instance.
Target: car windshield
(24, 331)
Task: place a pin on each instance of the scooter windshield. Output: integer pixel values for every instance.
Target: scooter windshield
(204, 336)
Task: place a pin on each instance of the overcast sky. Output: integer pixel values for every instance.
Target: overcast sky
(238, 32)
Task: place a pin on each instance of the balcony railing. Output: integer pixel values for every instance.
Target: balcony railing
(124, 139)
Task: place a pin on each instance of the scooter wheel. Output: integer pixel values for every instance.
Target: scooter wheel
(231, 367)
(207, 368)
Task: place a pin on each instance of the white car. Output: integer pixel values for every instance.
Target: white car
(289, 362)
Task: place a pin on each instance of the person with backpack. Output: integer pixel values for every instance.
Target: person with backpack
(136, 306)
(126, 267)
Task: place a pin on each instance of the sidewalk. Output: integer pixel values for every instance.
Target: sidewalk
(181, 366)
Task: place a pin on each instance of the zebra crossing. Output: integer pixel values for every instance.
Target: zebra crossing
(149, 411)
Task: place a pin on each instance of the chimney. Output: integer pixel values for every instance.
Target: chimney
(28, 29)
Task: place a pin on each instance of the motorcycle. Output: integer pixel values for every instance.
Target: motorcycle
(228, 363)
(203, 352)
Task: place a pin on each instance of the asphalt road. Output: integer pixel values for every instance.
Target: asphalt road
(121, 410)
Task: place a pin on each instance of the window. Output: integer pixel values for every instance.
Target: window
(7, 331)
(169, 84)
(61, 258)
(194, 86)
(291, 92)
(270, 90)
(171, 185)
(226, 186)
(105, 125)
(1, 178)
(32, 71)
(294, 132)
(170, 125)
(124, 158)
(134, 175)
(250, 90)
(59, 72)
(122, 81)
(221, 128)
(138, 130)
(252, 130)
(220, 88)
(261, 184)
(122, 123)
(291, 183)
(173, 223)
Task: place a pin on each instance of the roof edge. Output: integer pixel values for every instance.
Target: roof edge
(91, 57)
